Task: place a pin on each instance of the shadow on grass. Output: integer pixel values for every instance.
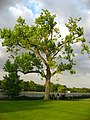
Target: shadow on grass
(22, 105)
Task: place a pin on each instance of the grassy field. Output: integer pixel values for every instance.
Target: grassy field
(45, 110)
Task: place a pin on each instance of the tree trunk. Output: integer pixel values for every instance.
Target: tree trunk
(47, 90)
(47, 84)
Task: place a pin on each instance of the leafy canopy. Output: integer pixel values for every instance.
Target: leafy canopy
(40, 48)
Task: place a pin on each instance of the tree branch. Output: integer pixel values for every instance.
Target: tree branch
(38, 53)
(53, 73)
(32, 71)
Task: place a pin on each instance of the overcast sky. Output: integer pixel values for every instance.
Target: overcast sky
(10, 10)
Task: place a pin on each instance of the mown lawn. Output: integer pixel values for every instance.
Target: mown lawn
(45, 110)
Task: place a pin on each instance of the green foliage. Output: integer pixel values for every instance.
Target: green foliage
(54, 87)
(11, 84)
(62, 88)
(1, 84)
(43, 44)
(10, 67)
(31, 86)
(25, 86)
(28, 62)
(79, 90)
(40, 88)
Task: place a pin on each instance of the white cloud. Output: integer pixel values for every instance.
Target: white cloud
(86, 3)
(1, 54)
(22, 11)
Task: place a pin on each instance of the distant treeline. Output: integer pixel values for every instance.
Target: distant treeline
(32, 86)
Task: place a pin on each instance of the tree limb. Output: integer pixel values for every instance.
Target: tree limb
(32, 71)
(53, 73)
(38, 53)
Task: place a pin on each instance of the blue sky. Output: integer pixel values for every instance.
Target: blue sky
(32, 5)
(30, 9)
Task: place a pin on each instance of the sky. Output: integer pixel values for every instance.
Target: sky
(10, 10)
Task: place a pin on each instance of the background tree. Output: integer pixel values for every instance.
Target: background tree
(25, 86)
(11, 83)
(39, 48)
(31, 86)
(1, 84)
(54, 87)
(62, 88)
(40, 88)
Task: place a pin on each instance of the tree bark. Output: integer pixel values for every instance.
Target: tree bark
(47, 90)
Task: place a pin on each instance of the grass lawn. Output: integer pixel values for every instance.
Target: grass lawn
(45, 110)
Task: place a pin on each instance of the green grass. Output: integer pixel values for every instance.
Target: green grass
(45, 110)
